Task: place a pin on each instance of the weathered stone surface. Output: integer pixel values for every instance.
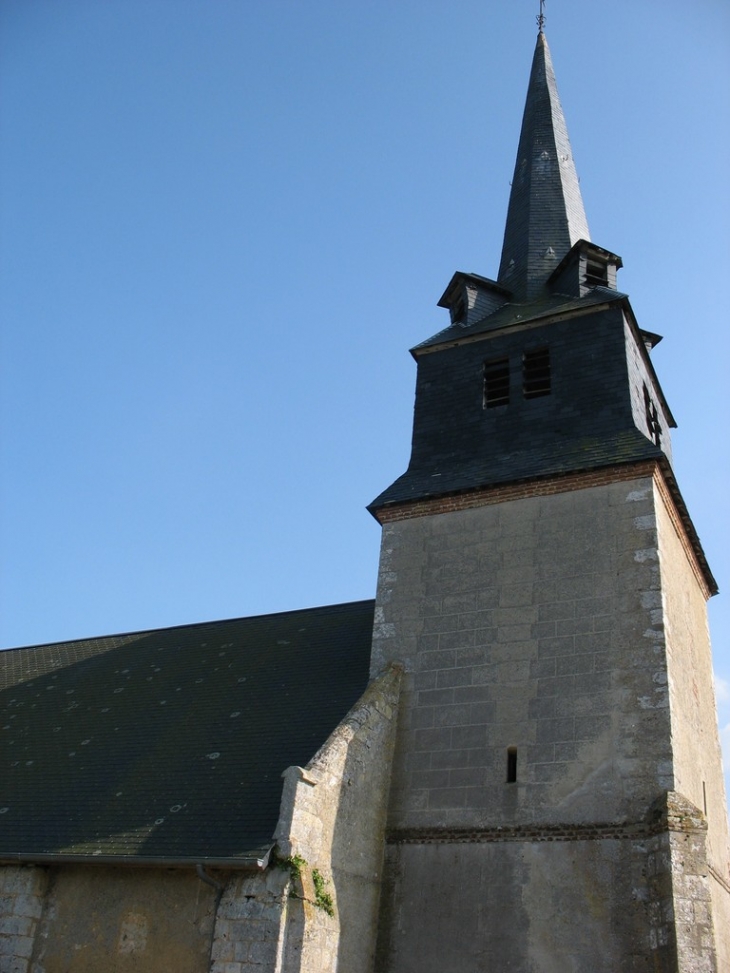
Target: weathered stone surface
(333, 816)
(123, 919)
(22, 890)
(581, 665)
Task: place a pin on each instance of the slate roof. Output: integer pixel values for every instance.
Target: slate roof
(169, 745)
(547, 458)
(545, 216)
(518, 313)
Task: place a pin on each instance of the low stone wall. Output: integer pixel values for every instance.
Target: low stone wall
(249, 923)
(85, 918)
(22, 889)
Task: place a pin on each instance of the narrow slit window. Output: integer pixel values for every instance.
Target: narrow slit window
(511, 765)
(536, 373)
(496, 382)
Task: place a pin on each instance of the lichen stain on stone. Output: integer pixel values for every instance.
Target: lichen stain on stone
(637, 495)
(133, 934)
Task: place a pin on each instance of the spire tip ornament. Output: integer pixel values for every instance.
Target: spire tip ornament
(541, 18)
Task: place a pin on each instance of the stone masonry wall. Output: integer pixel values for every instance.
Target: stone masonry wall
(528, 906)
(537, 625)
(250, 923)
(124, 919)
(22, 889)
(81, 919)
(694, 920)
(529, 624)
(695, 741)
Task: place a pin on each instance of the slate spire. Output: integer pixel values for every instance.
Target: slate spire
(546, 215)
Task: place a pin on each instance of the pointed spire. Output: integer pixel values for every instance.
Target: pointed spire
(545, 216)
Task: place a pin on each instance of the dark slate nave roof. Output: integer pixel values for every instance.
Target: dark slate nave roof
(169, 745)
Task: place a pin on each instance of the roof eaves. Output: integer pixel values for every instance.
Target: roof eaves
(485, 282)
(252, 861)
(599, 298)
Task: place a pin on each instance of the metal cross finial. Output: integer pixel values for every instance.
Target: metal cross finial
(541, 17)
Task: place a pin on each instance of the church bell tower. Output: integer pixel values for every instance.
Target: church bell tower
(557, 802)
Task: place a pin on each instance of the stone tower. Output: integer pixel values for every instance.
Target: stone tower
(557, 801)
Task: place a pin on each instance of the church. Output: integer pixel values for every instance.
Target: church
(507, 761)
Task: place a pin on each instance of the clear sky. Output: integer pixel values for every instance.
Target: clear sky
(224, 222)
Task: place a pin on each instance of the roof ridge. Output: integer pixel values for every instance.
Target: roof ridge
(186, 625)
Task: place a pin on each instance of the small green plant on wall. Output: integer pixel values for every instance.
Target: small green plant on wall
(322, 897)
(295, 865)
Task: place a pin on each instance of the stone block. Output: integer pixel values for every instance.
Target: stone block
(544, 630)
(447, 797)
(241, 951)
(514, 633)
(435, 697)
(454, 677)
(580, 625)
(573, 664)
(542, 707)
(471, 655)
(424, 680)
(21, 879)
(24, 946)
(470, 736)
(482, 713)
(596, 682)
(515, 594)
(483, 675)
(421, 717)
(263, 953)
(438, 738)
(467, 621)
(540, 753)
(420, 760)
(17, 926)
(428, 779)
(222, 950)
(450, 758)
(472, 694)
(436, 660)
(455, 604)
(557, 730)
(27, 905)
(542, 668)
(553, 647)
(487, 598)
(454, 715)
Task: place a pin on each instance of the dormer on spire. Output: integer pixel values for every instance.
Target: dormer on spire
(546, 215)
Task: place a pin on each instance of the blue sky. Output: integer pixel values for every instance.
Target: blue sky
(224, 223)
